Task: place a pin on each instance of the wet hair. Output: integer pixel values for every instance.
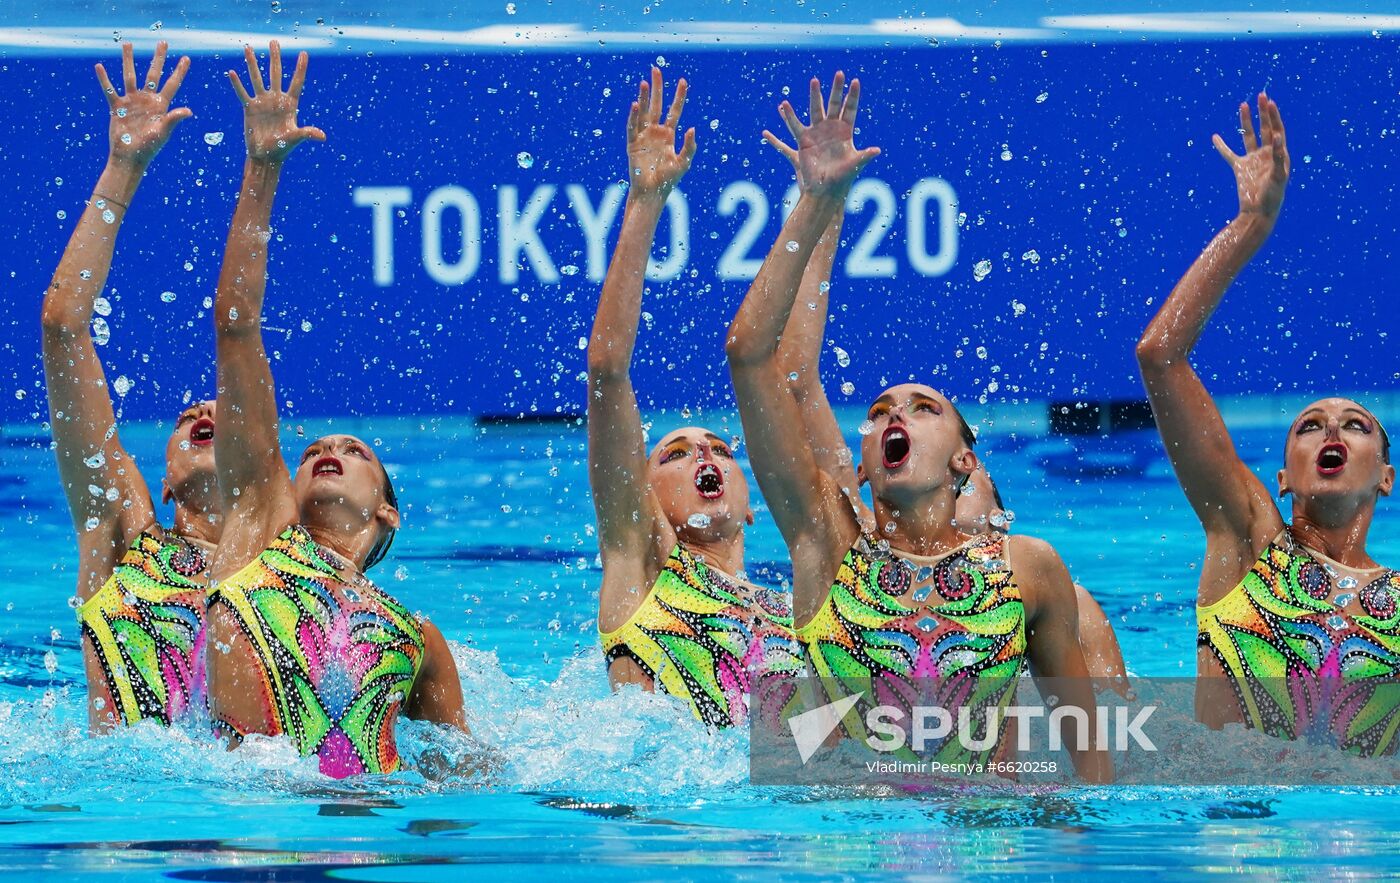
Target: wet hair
(381, 548)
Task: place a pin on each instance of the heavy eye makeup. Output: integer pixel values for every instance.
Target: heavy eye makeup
(672, 453)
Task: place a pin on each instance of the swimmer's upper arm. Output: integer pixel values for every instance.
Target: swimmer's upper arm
(1052, 639)
(437, 694)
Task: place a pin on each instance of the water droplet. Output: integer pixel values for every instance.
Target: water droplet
(111, 494)
(50, 661)
(792, 245)
(583, 343)
(96, 461)
(866, 428)
(1031, 255)
(102, 307)
(305, 325)
(208, 302)
(510, 9)
(84, 274)
(61, 214)
(213, 139)
(699, 519)
(981, 269)
(100, 332)
(99, 703)
(401, 573)
(1040, 99)
(90, 524)
(848, 388)
(1346, 582)
(109, 216)
(792, 376)
(94, 490)
(569, 269)
(524, 159)
(843, 358)
(189, 266)
(126, 137)
(122, 385)
(660, 61)
(233, 312)
(1006, 155)
(167, 297)
(121, 112)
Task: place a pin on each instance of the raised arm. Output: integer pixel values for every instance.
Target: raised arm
(1232, 504)
(628, 518)
(812, 514)
(90, 453)
(253, 479)
(800, 348)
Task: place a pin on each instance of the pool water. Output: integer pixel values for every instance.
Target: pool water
(574, 781)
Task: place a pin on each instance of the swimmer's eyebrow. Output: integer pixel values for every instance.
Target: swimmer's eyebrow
(886, 399)
(1345, 410)
(712, 437)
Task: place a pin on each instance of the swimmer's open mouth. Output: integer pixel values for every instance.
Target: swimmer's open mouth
(1332, 458)
(709, 481)
(202, 432)
(895, 446)
(327, 466)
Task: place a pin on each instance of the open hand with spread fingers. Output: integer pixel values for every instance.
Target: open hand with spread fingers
(270, 113)
(1261, 174)
(654, 166)
(142, 120)
(826, 157)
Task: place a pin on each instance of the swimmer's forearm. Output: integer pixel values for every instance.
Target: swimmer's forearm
(82, 271)
(243, 278)
(801, 344)
(757, 329)
(620, 302)
(1173, 333)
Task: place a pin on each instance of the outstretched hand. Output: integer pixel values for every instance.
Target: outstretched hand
(1261, 174)
(826, 158)
(270, 113)
(142, 120)
(653, 164)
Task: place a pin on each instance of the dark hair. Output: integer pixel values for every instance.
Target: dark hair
(969, 438)
(381, 548)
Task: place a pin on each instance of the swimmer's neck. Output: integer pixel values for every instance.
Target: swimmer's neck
(1338, 533)
(198, 519)
(920, 527)
(722, 553)
(352, 545)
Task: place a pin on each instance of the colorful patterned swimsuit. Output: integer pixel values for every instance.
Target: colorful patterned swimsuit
(948, 631)
(336, 660)
(1304, 665)
(705, 636)
(146, 629)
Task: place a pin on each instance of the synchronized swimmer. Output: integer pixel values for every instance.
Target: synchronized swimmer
(253, 610)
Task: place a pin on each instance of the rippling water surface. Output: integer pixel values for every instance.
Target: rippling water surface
(571, 780)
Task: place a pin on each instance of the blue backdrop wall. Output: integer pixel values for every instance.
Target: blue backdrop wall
(443, 251)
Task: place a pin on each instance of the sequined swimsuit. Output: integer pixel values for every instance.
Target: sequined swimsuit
(336, 660)
(1303, 662)
(705, 637)
(145, 627)
(950, 630)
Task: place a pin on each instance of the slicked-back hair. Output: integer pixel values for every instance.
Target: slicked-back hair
(381, 548)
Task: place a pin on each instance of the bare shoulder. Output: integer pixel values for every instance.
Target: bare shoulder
(1040, 572)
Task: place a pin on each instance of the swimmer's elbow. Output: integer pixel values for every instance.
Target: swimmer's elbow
(606, 364)
(742, 350)
(1152, 354)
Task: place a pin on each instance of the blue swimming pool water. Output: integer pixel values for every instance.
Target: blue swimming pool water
(578, 782)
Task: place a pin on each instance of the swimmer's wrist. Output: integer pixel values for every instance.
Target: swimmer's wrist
(118, 182)
(1254, 225)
